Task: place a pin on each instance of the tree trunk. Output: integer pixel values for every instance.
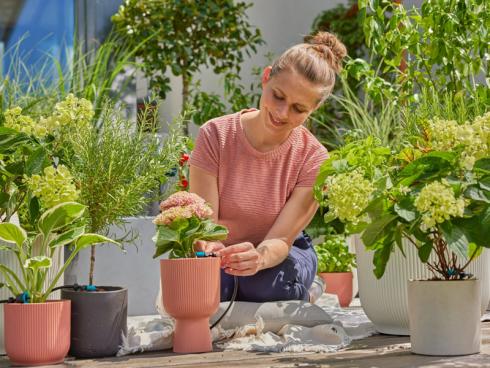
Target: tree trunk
(92, 265)
(186, 81)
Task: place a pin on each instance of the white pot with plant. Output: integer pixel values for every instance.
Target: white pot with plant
(335, 264)
(434, 192)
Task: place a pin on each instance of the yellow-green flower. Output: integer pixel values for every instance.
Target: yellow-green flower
(54, 187)
(348, 195)
(437, 203)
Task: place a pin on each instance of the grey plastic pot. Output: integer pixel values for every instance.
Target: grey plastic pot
(98, 320)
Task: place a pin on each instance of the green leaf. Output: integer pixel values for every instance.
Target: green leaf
(455, 238)
(67, 237)
(60, 216)
(382, 256)
(474, 250)
(377, 229)
(476, 194)
(424, 251)
(399, 239)
(38, 262)
(36, 161)
(215, 232)
(87, 240)
(165, 235)
(12, 233)
(482, 165)
(406, 210)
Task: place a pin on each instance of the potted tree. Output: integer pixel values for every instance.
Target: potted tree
(335, 264)
(218, 31)
(37, 331)
(118, 170)
(190, 285)
(434, 192)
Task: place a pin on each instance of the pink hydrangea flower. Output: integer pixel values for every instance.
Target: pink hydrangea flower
(181, 199)
(182, 205)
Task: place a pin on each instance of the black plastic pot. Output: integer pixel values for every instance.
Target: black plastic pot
(98, 320)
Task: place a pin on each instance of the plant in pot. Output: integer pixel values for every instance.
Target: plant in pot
(335, 264)
(190, 285)
(119, 171)
(435, 193)
(37, 331)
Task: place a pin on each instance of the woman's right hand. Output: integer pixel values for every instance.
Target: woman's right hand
(208, 246)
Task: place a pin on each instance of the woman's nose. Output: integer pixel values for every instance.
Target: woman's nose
(282, 112)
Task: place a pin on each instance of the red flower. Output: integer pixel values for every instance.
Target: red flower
(184, 183)
(183, 159)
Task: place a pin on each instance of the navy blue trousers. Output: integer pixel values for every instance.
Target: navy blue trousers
(289, 280)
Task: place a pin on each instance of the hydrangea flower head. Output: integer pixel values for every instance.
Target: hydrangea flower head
(437, 203)
(182, 205)
(348, 195)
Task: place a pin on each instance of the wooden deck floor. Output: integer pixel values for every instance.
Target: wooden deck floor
(380, 351)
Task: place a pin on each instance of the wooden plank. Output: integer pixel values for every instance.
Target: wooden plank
(384, 351)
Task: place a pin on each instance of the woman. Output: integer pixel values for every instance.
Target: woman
(257, 169)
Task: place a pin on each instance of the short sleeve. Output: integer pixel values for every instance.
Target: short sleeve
(205, 154)
(311, 166)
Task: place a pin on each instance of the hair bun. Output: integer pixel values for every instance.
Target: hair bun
(329, 45)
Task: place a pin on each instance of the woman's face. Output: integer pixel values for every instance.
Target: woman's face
(288, 99)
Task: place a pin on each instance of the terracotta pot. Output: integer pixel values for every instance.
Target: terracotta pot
(444, 317)
(98, 321)
(191, 295)
(37, 334)
(340, 284)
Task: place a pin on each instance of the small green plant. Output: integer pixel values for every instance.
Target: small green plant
(184, 218)
(61, 225)
(334, 256)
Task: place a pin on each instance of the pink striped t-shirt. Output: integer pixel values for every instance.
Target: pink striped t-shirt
(254, 186)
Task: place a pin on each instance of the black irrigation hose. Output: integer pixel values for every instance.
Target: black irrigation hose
(233, 297)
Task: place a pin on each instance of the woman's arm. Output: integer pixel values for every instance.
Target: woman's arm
(244, 259)
(205, 185)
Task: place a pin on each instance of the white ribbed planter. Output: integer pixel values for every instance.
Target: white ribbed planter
(385, 301)
(9, 260)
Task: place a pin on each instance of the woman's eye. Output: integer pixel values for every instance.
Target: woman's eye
(278, 97)
(298, 110)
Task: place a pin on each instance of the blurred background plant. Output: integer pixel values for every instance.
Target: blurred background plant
(334, 256)
(189, 35)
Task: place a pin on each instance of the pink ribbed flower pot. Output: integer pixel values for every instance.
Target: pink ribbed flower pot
(340, 284)
(191, 294)
(37, 334)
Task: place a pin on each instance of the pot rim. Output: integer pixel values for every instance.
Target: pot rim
(117, 289)
(438, 281)
(336, 273)
(47, 302)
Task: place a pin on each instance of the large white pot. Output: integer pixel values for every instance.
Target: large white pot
(9, 260)
(444, 317)
(385, 301)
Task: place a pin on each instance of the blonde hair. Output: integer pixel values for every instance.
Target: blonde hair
(318, 60)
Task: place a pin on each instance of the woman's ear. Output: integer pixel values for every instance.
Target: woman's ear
(266, 74)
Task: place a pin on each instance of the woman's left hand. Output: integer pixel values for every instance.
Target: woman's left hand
(240, 259)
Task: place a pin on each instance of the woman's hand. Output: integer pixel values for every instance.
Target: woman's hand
(241, 259)
(208, 246)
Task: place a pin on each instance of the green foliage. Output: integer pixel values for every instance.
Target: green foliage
(330, 122)
(433, 191)
(178, 237)
(186, 36)
(334, 256)
(236, 96)
(442, 45)
(58, 226)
